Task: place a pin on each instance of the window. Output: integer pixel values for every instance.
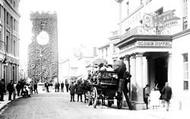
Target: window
(11, 23)
(14, 47)
(185, 9)
(185, 72)
(0, 10)
(7, 18)
(14, 24)
(106, 52)
(0, 35)
(14, 4)
(184, 23)
(7, 43)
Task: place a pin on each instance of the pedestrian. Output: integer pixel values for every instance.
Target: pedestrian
(2, 89)
(62, 86)
(10, 88)
(58, 86)
(15, 91)
(166, 95)
(35, 87)
(55, 86)
(72, 89)
(67, 85)
(124, 79)
(79, 90)
(146, 93)
(47, 86)
(18, 88)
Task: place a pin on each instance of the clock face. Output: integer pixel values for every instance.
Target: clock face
(43, 38)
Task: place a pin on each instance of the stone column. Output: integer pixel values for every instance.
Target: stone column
(141, 77)
(170, 69)
(133, 79)
(145, 71)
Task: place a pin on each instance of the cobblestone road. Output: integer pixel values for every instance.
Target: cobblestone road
(57, 106)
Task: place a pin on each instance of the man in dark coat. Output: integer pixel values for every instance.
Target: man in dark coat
(67, 84)
(47, 86)
(2, 89)
(58, 86)
(10, 88)
(35, 87)
(166, 95)
(18, 88)
(79, 90)
(124, 78)
(62, 87)
(72, 89)
(146, 93)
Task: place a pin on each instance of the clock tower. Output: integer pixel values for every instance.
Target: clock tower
(43, 51)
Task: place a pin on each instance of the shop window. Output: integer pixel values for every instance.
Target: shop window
(185, 71)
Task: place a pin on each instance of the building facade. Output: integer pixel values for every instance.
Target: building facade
(43, 51)
(154, 38)
(9, 40)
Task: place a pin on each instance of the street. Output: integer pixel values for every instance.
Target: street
(58, 106)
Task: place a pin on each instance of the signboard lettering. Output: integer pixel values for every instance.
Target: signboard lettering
(163, 44)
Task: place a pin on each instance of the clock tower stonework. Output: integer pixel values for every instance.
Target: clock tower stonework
(43, 59)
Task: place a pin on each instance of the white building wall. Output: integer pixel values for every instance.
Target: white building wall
(181, 96)
(137, 11)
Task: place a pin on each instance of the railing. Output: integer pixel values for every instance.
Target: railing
(139, 30)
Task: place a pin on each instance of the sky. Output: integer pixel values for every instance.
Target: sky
(80, 22)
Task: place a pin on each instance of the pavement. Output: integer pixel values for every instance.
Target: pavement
(4, 103)
(62, 104)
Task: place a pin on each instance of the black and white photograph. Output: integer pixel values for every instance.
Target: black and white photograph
(94, 59)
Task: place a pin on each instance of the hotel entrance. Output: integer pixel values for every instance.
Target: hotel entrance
(157, 69)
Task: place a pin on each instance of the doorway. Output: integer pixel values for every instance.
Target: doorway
(157, 69)
(161, 72)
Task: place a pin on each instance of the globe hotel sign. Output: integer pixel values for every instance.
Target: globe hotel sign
(158, 44)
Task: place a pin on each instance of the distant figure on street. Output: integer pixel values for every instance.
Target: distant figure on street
(67, 84)
(146, 93)
(2, 89)
(58, 86)
(55, 87)
(166, 95)
(72, 92)
(18, 88)
(47, 86)
(79, 90)
(62, 86)
(10, 88)
(35, 87)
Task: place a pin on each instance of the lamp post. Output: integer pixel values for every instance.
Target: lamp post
(42, 39)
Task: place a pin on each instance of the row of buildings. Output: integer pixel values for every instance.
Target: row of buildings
(9, 40)
(153, 37)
